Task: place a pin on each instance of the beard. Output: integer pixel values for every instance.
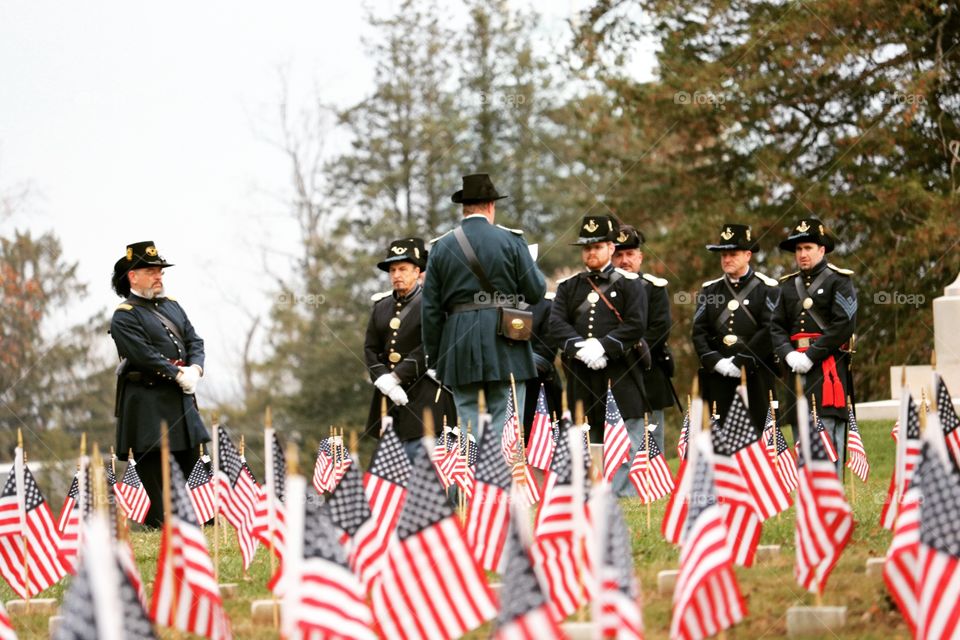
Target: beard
(150, 294)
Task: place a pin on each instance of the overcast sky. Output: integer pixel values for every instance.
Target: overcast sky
(138, 122)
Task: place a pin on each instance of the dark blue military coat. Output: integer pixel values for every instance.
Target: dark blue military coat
(464, 346)
(831, 315)
(743, 332)
(656, 379)
(147, 392)
(575, 318)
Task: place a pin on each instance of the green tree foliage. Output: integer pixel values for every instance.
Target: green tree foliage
(765, 112)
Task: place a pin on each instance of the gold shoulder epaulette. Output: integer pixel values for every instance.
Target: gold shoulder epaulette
(171, 299)
(789, 275)
(767, 280)
(710, 282)
(657, 282)
(434, 241)
(846, 272)
(629, 275)
(123, 306)
(550, 295)
(562, 280)
(519, 232)
(377, 297)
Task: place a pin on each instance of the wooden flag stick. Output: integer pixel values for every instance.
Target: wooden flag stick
(168, 520)
(646, 476)
(383, 406)
(21, 504)
(215, 461)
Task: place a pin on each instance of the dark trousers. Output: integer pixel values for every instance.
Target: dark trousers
(150, 471)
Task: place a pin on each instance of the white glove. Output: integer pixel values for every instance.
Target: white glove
(799, 362)
(590, 350)
(398, 396)
(725, 367)
(386, 383)
(599, 363)
(433, 375)
(188, 378)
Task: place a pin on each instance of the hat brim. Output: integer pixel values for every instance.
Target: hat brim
(384, 265)
(733, 247)
(457, 197)
(585, 241)
(790, 244)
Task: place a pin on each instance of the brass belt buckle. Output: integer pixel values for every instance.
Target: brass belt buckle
(803, 343)
(730, 339)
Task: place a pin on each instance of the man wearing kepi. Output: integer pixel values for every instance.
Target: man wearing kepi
(652, 349)
(813, 326)
(393, 350)
(598, 317)
(161, 363)
(731, 327)
(477, 276)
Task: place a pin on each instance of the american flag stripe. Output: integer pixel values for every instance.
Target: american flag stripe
(616, 443)
(531, 491)
(330, 606)
(132, 495)
(440, 599)
(651, 479)
(824, 524)
(487, 522)
(787, 470)
(204, 501)
(900, 570)
(743, 532)
(386, 501)
(555, 517)
(675, 515)
(564, 576)
(938, 594)
(238, 505)
(620, 615)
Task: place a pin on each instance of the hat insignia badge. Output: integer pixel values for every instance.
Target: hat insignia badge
(398, 250)
(822, 232)
(591, 226)
(129, 253)
(727, 234)
(622, 237)
(151, 251)
(748, 235)
(416, 253)
(803, 227)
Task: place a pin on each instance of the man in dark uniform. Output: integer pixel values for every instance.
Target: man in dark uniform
(544, 355)
(812, 328)
(653, 350)
(393, 350)
(598, 317)
(161, 363)
(731, 327)
(460, 315)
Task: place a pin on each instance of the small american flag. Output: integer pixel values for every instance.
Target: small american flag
(76, 508)
(556, 515)
(525, 610)
(938, 554)
(488, 515)
(948, 419)
(239, 494)
(649, 472)
(542, 441)
(186, 595)
(675, 514)
(616, 443)
(438, 456)
(907, 456)
(824, 518)
(523, 477)
(857, 455)
(450, 595)
(621, 616)
(270, 524)
(900, 568)
(684, 436)
(784, 460)
(323, 467)
(25, 520)
(385, 486)
(510, 436)
(201, 491)
(332, 603)
(706, 599)
(826, 440)
(349, 509)
(106, 606)
(769, 424)
(131, 494)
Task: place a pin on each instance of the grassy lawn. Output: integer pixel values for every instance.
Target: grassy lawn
(768, 587)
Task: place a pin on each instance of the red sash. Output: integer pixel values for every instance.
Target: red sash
(832, 392)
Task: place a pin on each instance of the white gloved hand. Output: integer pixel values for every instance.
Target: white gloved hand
(590, 350)
(725, 367)
(599, 363)
(433, 375)
(398, 396)
(799, 362)
(386, 383)
(188, 378)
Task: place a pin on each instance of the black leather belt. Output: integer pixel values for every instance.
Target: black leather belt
(472, 306)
